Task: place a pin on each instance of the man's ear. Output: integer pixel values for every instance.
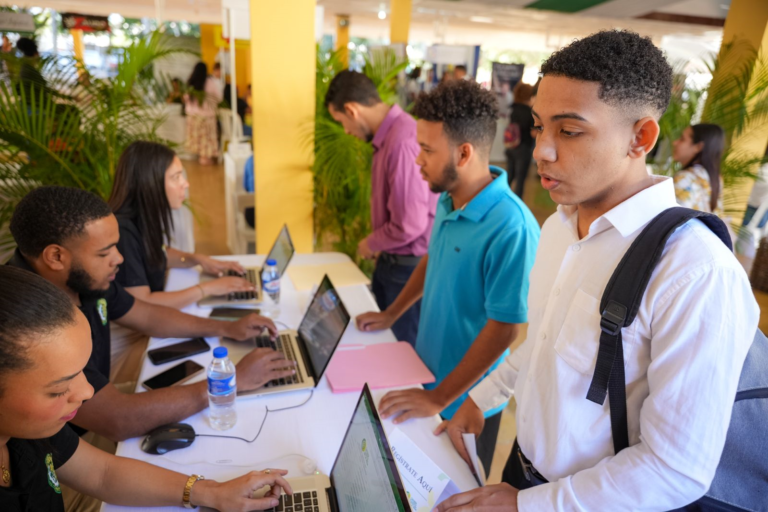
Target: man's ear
(645, 133)
(465, 153)
(352, 110)
(55, 257)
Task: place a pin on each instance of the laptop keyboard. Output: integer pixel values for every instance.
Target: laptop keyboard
(299, 502)
(251, 275)
(283, 345)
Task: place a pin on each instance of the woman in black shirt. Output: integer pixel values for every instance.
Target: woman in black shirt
(45, 343)
(149, 183)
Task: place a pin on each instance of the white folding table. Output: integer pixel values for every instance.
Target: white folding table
(314, 430)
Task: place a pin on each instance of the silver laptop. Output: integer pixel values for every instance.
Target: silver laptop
(364, 476)
(282, 251)
(311, 346)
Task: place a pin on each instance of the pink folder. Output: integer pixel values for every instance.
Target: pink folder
(383, 365)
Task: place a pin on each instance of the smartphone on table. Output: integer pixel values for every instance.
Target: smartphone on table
(178, 351)
(179, 374)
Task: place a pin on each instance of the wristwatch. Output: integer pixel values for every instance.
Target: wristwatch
(188, 490)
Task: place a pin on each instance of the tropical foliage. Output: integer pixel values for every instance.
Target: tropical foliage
(342, 165)
(736, 99)
(69, 128)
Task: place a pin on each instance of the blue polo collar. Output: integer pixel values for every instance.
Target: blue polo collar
(481, 204)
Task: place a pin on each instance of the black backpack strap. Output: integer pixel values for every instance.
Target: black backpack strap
(620, 303)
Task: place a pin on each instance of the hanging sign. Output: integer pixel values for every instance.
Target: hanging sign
(16, 22)
(84, 22)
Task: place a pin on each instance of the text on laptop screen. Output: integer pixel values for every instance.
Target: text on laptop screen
(282, 250)
(363, 475)
(323, 325)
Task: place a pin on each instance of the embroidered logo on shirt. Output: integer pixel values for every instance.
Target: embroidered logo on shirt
(101, 307)
(457, 249)
(52, 480)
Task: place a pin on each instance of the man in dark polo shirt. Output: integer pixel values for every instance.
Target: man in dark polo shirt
(69, 237)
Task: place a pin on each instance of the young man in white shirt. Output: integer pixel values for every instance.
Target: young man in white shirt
(597, 117)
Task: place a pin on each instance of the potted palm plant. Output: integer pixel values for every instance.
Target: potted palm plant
(342, 163)
(71, 129)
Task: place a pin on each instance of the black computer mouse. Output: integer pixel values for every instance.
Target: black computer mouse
(168, 438)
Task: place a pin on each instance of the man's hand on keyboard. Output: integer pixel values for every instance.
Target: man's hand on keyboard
(250, 327)
(262, 365)
(226, 285)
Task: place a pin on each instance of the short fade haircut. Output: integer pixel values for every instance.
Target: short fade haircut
(630, 69)
(52, 215)
(468, 112)
(351, 87)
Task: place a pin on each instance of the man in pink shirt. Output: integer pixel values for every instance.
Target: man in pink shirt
(402, 206)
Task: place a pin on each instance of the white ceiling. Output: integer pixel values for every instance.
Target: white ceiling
(505, 12)
(499, 15)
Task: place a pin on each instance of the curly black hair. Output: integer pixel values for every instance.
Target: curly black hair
(52, 215)
(630, 69)
(468, 112)
(350, 86)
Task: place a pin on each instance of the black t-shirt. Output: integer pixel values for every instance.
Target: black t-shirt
(33, 465)
(522, 115)
(135, 269)
(115, 303)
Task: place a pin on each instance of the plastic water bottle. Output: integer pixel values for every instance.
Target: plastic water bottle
(270, 280)
(222, 389)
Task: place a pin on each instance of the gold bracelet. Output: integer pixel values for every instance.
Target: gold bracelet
(188, 490)
(202, 290)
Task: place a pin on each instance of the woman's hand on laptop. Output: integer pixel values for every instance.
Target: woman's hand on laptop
(237, 494)
(217, 268)
(249, 327)
(260, 366)
(226, 285)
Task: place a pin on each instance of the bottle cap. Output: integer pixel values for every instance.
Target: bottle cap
(220, 352)
(271, 262)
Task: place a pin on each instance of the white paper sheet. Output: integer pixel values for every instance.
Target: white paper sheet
(470, 443)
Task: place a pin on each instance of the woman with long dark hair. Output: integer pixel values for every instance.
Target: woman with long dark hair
(45, 343)
(699, 184)
(149, 183)
(200, 105)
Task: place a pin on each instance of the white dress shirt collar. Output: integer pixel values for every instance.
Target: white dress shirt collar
(632, 214)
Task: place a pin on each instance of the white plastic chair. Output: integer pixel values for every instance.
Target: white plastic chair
(227, 137)
(241, 238)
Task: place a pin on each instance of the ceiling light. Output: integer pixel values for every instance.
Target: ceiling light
(480, 19)
(382, 15)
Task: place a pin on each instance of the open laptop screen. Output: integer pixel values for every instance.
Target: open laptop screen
(364, 475)
(282, 250)
(323, 325)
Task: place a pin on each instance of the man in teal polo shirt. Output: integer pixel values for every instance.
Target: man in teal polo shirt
(474, 280)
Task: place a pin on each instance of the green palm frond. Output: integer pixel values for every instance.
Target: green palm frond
(736, 99)
(71, 129)
(342, 163)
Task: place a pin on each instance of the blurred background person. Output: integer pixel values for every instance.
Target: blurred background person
(518, 140)
(200, 103)
(699, 184)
